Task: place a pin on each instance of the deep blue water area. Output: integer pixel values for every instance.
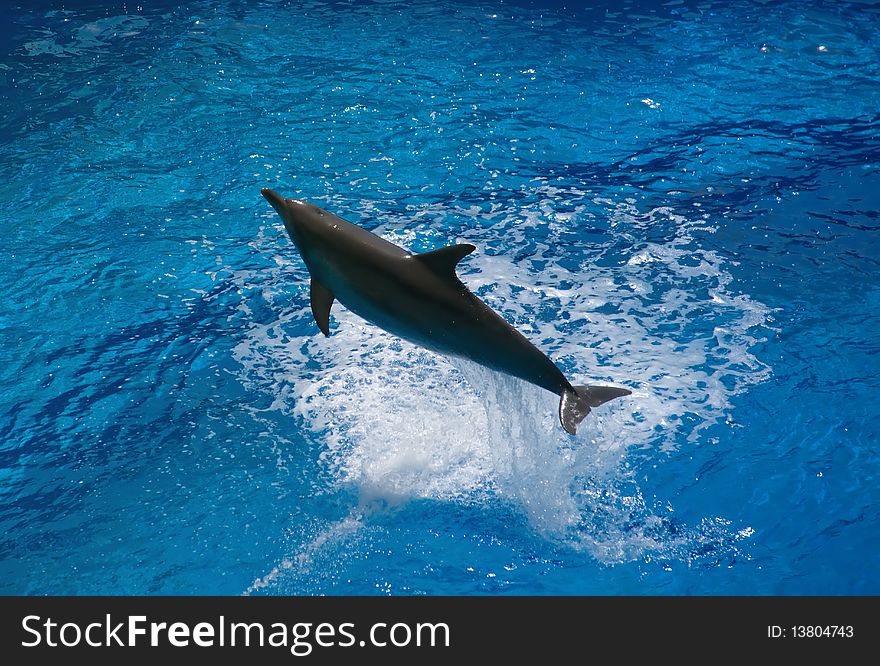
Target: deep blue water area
(678, 197)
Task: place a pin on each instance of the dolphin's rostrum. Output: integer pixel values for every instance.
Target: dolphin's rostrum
(420, 298)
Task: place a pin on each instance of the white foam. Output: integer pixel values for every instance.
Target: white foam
(398, 422)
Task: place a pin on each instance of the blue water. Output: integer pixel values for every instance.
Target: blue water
(682, 198)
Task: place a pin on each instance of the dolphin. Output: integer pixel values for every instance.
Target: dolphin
(420, 298)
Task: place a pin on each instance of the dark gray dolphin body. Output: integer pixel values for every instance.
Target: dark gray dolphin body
(420, 298)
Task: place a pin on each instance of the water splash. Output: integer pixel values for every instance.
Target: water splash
(302, 559)
(397, 422)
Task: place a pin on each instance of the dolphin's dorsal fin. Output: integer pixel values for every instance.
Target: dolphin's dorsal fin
(444, 260)
(322, 300)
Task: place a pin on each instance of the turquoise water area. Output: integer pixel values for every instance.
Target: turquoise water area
(677, 197)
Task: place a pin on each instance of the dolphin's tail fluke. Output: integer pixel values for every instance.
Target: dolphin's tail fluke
(575, 405)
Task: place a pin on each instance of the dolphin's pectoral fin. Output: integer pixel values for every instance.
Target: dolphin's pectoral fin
(573, 407)
(322, 300)
(444, 260)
